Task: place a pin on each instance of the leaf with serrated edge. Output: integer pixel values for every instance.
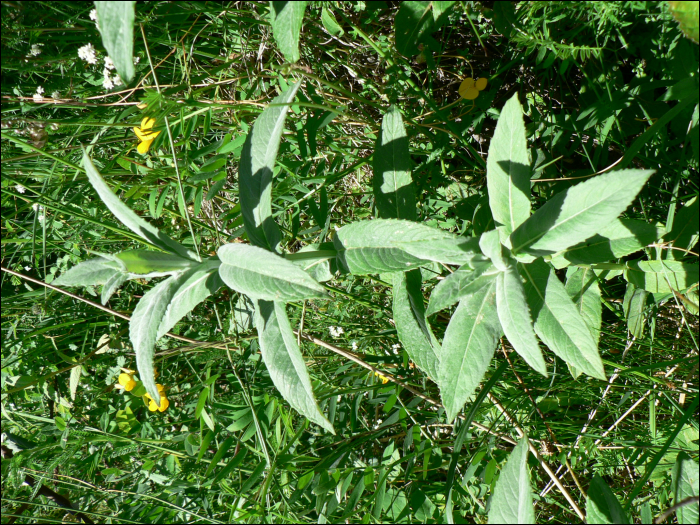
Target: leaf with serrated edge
(579, 212)
(512, 495)
(508, 170)
(468, 347)
(463, 281)
(143, 328)
(286, 19)
(661, 276)
(261, 274)
(132, 221)
(601, 504)
(411, 325)
(89, 273)
(515, 319)
(582, 287)
(256, 168)
(194, 286)
(394, 194)
(116, 25)
(685, 480)
(284, 361)
(557, 322)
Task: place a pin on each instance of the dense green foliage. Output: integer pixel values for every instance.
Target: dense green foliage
(312, 365)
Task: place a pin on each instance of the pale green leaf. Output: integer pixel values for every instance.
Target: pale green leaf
(686, 484)
(115, 21)
(491, 247)
(153, 264)
(579, 212)
(684, 234)
(284, 361)
(261, 274)
(112, 285)
(633, 304)
(463, 281)
(601, 504)
(132, 221)
(557, 321)
(468, 347)
(508, 170)
(91, 272)
(75, 374)
(330, 23)
(286, 19)
(661, 276)
(256, 168)
(582, 287)
(411, 324)
(243, 313)
(394, 194)
(515, 318)
(512, 495)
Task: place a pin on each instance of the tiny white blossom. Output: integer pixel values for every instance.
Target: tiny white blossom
(20, 188)
(41, 217)
(37, 207)
(354, 345)
(56, 94)
(38, 96)
(107, 82)
(396, 347)
(137, 60)
(35, 50)
(54, 126)
(109, 64)
(336, 331)
(87, 53)
(27, 268)
(117, 80)
(93, 15)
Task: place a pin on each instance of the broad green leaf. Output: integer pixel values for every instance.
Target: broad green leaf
(286, 19)
(153, 264)
(132, 221)
(579, 212)
(112, 285)
(491, 247)
(115, 21)
(508, 170)
(74, 381)
(412, 23)
(194, 286)
(255, 171)
(557, 321)
(512, 495)
(619, 238)
(684, 234)
(686, 484)
(468, 347)
(394, 194)
(143, 328)
(388, 245)
(582, 287)
(661, 276)
(463, 281)
(330, 23)
(601, 504)
(633, 305)
(261, 274)
(321, 264)
(90, 272)
(411, 324)
(515, 318)
(686, 14)
(284, 361)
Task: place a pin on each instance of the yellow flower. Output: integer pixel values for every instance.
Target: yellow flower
(127, 381)
(146, 137)
(384, 379)
(469, 88)
(164, 403)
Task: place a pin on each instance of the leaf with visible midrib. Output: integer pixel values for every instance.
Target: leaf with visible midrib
(601, 504)
(512, 495)
(284, 361)
(261, 274)
(256, 168)
(463, 281)
(116, 25)
(286, 18)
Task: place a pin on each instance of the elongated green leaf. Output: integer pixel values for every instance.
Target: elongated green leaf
(261, 274)
(557, 321)
(601, 504)
(661, 276)
(686, 484)
(284, 361)
(115, 21)
(388, 245)
(412, 23)
(619, 238)
(684, 234)
(90, 272)
(153, 264)
(515, 318)
(255, 171)
(578, 213)
(394, 194)
(633, 305)
(330, 23)
(194, 286)
(508, 170)
(468, 346)
(143, 328)
(491, 247)
(463, 281)
(411, 324)
(132, 221)
(112, 285)
(286, 19)
(512, 495)
(582, 287)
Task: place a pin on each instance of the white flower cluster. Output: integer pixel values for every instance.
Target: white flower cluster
(20, 188)
(39, 95)
(336, 331)
(35, 51)
(93, 17)
(396, 347)
(87, 53)
(110, 81)
(354, 346)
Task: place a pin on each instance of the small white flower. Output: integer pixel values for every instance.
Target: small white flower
(396, 347)
(93, 15)
(37, 207)
(336, 331)
(354, 346)
(54, 126)
(38, 96)
(35, 50)
(109, 64)
(107, 82)
(87, 53)
(117, 80)
(41, 217)
(137, 60)
(27, 268)
(56, 94)
(20, 188)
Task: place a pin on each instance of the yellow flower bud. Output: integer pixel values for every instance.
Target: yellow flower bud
(127, 382)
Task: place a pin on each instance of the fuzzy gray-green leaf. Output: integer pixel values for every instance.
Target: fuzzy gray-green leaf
(115, 21)
(463, 281)
(512, 495)
(286, 18)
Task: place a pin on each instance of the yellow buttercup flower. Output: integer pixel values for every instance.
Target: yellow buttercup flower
(469, 88)
(164, 403)
(146, 137)
(384, 379)
(127, 381)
